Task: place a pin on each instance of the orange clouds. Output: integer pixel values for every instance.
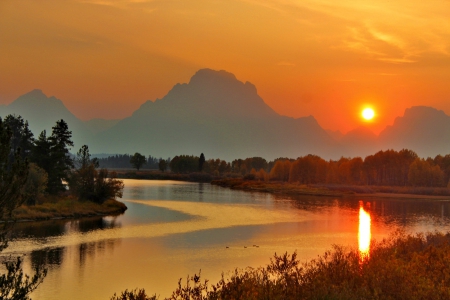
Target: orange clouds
(316, 57)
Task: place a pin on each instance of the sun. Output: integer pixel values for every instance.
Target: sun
(368, 114)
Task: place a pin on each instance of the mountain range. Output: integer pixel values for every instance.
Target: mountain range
(225, 118)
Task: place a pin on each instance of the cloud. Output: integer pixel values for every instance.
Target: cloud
(398, 31)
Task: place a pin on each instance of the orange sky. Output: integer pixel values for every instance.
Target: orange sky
(324, 58)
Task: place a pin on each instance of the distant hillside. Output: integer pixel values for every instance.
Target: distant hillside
(425, 130)
(99, 125)
(218, 115)
(360, 141)
(42, 112)
(225, 118)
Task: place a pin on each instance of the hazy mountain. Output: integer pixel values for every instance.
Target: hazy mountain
(218, 115)
(222, 117)
(42, 112)
(99, 125)
(425, 130)
(335, 134)
(360, 141)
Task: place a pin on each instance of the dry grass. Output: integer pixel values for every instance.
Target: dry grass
(334, 190)
(279, 187)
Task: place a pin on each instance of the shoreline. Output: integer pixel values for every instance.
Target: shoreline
(278, 188)
(67, 209)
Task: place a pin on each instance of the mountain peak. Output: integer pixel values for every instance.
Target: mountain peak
(203, 75)
(36, 93)
(423, 112)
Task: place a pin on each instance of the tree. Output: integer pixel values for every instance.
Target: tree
(13, 177)
(107, 186)
(201, 161)
(138, 160)
(21, 137)
(60, 160)
(13, 174)
(162, 165)
(82, 180)
(89, 184)
(35, 185)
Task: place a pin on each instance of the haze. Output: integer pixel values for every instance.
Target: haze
(323, 58)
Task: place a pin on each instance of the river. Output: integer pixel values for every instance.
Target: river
(172, 229)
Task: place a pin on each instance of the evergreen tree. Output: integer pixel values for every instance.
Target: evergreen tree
(21, 137)
(201, 161)
(40, 153)
(61, 162)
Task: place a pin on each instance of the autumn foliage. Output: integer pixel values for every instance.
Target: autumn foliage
(385, 168)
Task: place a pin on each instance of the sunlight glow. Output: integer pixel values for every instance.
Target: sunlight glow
(368, 114)
(364, 234)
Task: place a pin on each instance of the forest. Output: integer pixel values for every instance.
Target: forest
(384, 168)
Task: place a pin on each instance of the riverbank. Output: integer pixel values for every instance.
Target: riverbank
(292, 189)
(67, 208)
(158, 175)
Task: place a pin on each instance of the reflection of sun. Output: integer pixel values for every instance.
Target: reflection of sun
(368, 114)
(364, 234)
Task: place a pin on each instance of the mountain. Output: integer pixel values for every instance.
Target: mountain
(99, 125)
(425, 130)
(225, 118)
(360, 141)
(42, 112)
(336, 135)
(218, 115)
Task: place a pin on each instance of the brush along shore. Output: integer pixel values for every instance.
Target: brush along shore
(334, 190)
(67, 207)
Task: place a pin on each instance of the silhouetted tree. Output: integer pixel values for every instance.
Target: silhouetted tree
(184, 164)
(201, 161)
(138, 160)
(21, 137)
(162, 165)
(89, 184)
(60, 161)
(36, 184)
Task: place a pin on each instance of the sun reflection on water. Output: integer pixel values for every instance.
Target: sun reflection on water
(364, 234)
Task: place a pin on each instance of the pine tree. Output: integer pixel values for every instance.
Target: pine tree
(61, 162)
(201, 161)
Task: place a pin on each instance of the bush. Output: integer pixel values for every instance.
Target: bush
(133, 295)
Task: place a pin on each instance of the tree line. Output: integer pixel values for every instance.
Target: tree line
(384, 168)
(128, 161)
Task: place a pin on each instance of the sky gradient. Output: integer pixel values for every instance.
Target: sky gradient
(325, 58)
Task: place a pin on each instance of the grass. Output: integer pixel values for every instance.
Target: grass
(67, 207)
(157, 175)
(401, 267)
(278, 187)
(335, 190)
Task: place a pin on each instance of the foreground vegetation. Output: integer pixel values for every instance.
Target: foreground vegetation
(401, 267)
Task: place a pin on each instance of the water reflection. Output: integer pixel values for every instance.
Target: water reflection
(364, 234)
(178, 228)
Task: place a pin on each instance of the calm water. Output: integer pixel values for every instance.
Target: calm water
(172, 229)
